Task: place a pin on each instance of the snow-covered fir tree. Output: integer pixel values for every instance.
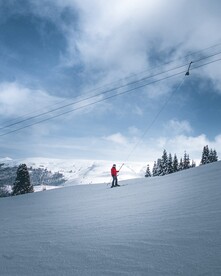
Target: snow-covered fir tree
(159, 167)
(170, 164)
(22, 184)
(164, 163)
(186, 161)
(205, 155)
(213, 156)
(154, 170)
(180, 166)
(148, 173)
(193, 165)
(208, 156)
(175, 164)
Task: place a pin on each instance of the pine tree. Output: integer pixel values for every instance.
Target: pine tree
(159, 169)
(208, 155)
(167, 164)
(148, 174)
(154, 170)
(170, 164)
(193, 165)
(175, 164)
(186, 161)
(205, 155)
(164, 163)
(22, 184)
(213, 156)
(180, 167)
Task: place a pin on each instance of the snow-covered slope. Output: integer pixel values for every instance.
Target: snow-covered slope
(167, 225)
(82, 171)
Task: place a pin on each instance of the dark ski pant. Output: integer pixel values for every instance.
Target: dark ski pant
(114, 182)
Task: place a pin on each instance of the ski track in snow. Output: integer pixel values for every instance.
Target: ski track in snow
(167, 225)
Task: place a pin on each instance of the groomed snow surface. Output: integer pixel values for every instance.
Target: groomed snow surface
(167, 225)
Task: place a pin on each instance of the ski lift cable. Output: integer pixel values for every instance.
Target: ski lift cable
(91, 97)
(155, 119)
(122, 79)
(165, 104)
(107, 98)
(84, 99)
(90, 104)
(130, 168)
(202, 58)
(100, 94)
(204, 64)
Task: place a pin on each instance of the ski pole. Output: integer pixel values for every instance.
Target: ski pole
(120, 167)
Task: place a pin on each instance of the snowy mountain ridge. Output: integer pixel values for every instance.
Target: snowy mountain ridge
(82, 171)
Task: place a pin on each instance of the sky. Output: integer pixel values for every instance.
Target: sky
(106, 79)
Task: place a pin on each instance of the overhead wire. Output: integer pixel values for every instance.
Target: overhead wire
(90, 104)
(164, 106)
(103, 93)
(107, 98)
(155, 119)
(204, 64)
(92, 96)
(84, 99)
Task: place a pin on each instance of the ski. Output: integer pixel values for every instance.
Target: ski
(114, 186)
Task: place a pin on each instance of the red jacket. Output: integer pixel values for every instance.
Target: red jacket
(114, 171)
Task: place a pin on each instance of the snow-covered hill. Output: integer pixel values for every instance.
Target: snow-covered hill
(167, 225)
(82, 171)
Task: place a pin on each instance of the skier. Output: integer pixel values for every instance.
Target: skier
(114, 175)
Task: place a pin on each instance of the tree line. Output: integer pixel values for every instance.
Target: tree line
(22, 179)
(168, 164)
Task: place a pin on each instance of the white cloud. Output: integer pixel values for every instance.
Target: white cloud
(134, 131)
(178, 127)
(193, 145)
(149, 150)
(17, 100)
(113, 34)
(117, 138)
(119, 38)
(128, 26)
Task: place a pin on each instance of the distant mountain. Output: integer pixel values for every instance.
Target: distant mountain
(56, 172)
